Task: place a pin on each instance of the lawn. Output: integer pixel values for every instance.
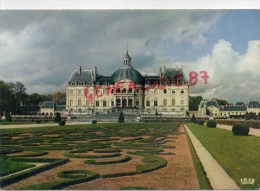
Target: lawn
(109, 152)
(8, 167)
(238, 155)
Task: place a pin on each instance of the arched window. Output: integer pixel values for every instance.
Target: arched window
(130, 102)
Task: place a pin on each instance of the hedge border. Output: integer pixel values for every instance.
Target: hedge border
(148, 166)
(17, 177)
(57, 185)
(94, 162)
(72, 154)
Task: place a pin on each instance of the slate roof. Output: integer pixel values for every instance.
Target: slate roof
(240, 103)
(47, 104)
(212, 103)
(233, 108)
(103, 80)
(127, 73)
(253, 104)
(152, 79)
(81, 77)
(170, 73)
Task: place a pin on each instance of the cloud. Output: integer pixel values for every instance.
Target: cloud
(232, 76)
(41, 48)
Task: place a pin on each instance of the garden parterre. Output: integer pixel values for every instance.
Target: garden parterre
(102, 150)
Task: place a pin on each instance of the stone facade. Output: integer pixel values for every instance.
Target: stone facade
(88, 92)
(210, 108)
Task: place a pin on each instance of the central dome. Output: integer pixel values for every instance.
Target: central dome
(127, 74)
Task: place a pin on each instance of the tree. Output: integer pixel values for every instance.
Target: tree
(7, 98)
(34, 99)
(121, 118)
(194, 102)
(20, 94)
(193, 118)
(222, 102)
(59, 98)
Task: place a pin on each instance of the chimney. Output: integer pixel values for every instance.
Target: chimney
(79, 70)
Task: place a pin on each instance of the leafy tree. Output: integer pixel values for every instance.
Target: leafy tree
(34, 99)
(121, 118)
(194, 102)
(20, 94)
(59, 98)
(7, 98)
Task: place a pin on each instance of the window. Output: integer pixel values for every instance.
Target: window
(164, 102)
(165, 91)
(79, 102)
(117, 90)
(124, 90)
(181, 102)
(87, 102)
(182, 91)
(155, 103)
(130, 102)
(79, 92)
(118, 102)
(112, 103)
(156, 91)
(71, 103)
(173, 91)
(104, 103)
(112, 91)
(130, 90)
(148, 103)
(97, 103)
(137, 90)
(137, 102)
(173, 102)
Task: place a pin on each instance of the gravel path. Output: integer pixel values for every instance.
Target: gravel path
(217, 176)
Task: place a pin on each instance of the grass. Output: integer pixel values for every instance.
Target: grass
(238, 155)
(8, 167)
(201, 174)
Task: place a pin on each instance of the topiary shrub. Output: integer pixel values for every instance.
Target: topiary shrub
(62, 123)
(121, 118)
(38, 121)
(94, 121)
(240, 129)
(193, 118)
(57, 118)
(211, 123)
(8, 116)
(200, 122)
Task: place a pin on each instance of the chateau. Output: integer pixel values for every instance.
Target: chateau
(211, 108)
(88, 92)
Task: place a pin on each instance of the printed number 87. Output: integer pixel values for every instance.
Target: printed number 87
(194, 77)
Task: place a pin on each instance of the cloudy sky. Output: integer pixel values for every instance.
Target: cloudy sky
(41, 48)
